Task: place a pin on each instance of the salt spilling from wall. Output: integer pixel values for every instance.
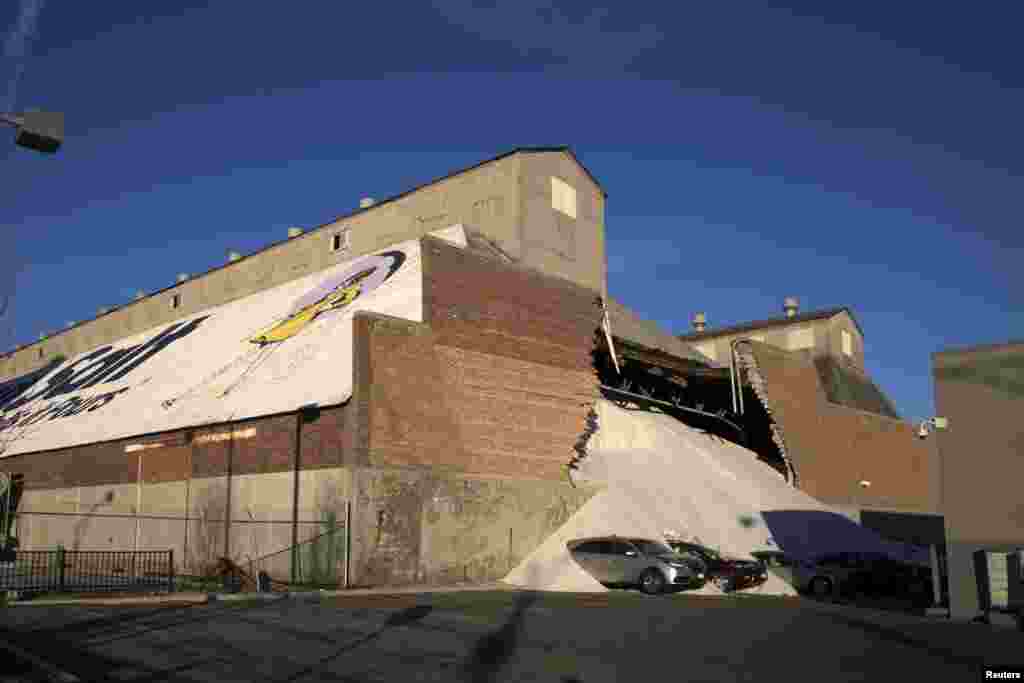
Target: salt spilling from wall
(663, 479)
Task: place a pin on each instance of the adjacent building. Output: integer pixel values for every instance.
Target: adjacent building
(979, 391)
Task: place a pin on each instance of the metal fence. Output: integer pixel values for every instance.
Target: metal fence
(88, 571)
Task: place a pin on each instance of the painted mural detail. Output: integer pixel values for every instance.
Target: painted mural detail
(330, 297)
(270, 352)
(104, 365)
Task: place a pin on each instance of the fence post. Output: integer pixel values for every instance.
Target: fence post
(348, 541)
(60, 568)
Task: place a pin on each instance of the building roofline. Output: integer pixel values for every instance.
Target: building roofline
(980, 347)
(518, 150)
(772, 322)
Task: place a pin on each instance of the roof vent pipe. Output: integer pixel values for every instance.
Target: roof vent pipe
(699, 322)
(366, 202)
(294, 232)
(182, 277)
(792, 306)
(233, 256)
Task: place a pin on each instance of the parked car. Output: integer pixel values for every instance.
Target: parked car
(728, 573)
(650, 565)
(850, 574)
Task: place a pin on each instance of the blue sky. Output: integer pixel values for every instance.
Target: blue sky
(864, 155)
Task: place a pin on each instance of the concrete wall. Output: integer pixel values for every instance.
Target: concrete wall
(834, 447)
(981, 393)
(552, 242)
(179, 491)
(508, 200)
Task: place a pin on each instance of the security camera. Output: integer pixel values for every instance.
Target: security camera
(864, 483)
(922, 430)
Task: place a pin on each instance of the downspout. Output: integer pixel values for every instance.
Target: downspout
(295, 498)
(138, 504)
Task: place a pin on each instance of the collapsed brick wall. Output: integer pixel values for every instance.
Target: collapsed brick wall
(834, 447)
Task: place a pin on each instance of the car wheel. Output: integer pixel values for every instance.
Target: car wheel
(821, 587)
(652, 582)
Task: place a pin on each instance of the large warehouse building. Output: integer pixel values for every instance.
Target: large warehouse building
(419, 374)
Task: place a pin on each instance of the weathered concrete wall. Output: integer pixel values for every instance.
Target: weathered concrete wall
(556, 243)
(423, 526)
(834, 447)
(981, 393)
(98, 497)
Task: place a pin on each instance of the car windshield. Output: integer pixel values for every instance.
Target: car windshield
(650, 547)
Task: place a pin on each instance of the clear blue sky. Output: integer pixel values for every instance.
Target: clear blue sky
(871, 157)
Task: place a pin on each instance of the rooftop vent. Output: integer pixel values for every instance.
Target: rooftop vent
(294, 232)
(791, 306)
(233, 256)
(366, 202)
(182, 277)
(699, 322)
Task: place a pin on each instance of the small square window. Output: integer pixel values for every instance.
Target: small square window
(563, 197)
(175, 300)
(847, 342)
(341, 241)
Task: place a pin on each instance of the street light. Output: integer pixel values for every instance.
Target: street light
(42, 131)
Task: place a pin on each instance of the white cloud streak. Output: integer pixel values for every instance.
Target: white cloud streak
(18, 43)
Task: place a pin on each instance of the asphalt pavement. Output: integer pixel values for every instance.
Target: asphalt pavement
(503, 636)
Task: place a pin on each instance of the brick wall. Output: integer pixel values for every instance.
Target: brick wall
(834, 447)
(186, 454)
(497, 381)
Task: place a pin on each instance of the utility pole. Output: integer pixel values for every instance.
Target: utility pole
(42, 131)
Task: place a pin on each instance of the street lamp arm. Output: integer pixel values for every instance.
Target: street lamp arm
(12, 119)
(41, 131)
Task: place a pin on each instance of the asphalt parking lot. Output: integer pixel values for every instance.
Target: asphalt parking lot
(503, 636)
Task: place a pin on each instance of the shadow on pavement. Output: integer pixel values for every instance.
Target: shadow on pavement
(495, 649)
(404, 618)
(75, 640)
(895, 635)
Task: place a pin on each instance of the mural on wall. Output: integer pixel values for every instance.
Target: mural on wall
(270, 352)
(330, 297)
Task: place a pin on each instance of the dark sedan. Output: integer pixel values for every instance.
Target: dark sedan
(728, 573)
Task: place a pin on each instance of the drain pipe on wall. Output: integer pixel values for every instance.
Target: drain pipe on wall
(138, 505)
